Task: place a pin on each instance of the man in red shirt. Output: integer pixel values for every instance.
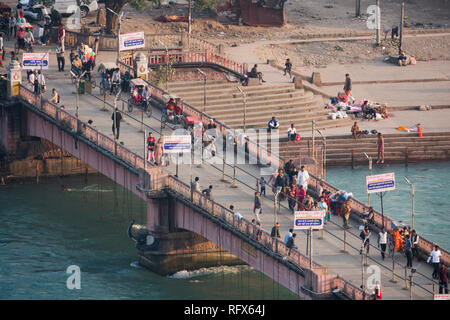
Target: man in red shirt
(151, 143)
(301, 197)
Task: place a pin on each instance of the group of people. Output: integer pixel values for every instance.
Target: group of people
(37, 81)
(82, 60)
(154, 149)
(344, 104)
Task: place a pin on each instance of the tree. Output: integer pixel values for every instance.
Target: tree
(111, 18)
(200, 5)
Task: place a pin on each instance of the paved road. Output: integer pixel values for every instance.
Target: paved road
(326, 251)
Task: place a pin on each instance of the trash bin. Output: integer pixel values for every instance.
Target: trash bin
(88, 87)
(81, 87)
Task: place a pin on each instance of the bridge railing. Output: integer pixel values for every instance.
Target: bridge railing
(132, 159)
(81, 128)
(261, 153)
(192, 57)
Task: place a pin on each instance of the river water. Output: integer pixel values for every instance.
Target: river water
(44, 229)
(431, 183)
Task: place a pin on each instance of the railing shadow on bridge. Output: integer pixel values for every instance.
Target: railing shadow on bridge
(132, 160)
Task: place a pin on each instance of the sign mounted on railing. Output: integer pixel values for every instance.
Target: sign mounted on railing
(305, 220)
(31, 61)
(132, 41)
(380, 182)
(177, 144)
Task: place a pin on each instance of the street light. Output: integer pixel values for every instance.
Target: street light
(77, 84)
(119, 16)
(275, 206)
(204, 89)
(412, 196)
(245, 103)
(324, 153)
(370, 170)
(167, 64)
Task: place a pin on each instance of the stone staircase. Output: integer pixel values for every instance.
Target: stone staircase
(431, 147)
(226, 103)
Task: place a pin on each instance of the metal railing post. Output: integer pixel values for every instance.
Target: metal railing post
(393, 268)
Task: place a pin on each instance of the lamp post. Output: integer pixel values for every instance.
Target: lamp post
(370, 172)
(119, 17)
(412, 197)
(275, 207)
(204, 88)
(167, 64)
(324, 153)
(245, 103)
(77, 84)
(402, 20)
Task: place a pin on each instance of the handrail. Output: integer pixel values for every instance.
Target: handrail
(127, 156)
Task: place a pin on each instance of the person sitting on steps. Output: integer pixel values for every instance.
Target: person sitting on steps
(255, 74)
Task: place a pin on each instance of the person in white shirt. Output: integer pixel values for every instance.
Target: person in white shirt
(288, 235)
(382, 241)
(292, 132)
(41, 80)
(435, 258)
(302, 178)
(415, 243)
(31, 78)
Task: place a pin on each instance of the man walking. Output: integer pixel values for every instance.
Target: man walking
(435, 258)
(116, 123)
(151, 144)
(382, 241)
(288, 67)
(288, 235)
(257, 206)
(196, 185)
(408, 252)
(291, 242)
(443, 279)
(414, 243)
(60, 57)
(302, 178)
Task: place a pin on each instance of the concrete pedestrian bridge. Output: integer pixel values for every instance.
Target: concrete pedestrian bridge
(186, 228)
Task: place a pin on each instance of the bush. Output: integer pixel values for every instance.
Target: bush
(139, 5)
(200, 5)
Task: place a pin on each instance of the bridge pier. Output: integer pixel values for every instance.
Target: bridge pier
(170, 249)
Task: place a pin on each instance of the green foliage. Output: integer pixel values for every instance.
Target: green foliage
(139, 5)
(163, 73)
(200, 5)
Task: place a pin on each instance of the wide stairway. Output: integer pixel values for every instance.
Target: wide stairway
(432, 146)
(226, 103)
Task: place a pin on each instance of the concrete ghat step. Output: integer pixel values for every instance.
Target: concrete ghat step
(234, 97)
(273, 106)
(209, 83)
(196, 93)
(296, 112)
(321, 124)
(232, 86)
(284, 119)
